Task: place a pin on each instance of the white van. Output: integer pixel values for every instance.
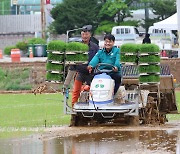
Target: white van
(123, 34)
(165, 38)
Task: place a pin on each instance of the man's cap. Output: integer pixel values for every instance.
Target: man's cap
(87, 28)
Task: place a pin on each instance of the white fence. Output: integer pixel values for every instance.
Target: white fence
(20, 23)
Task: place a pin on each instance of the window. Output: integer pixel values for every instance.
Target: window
(117, 31)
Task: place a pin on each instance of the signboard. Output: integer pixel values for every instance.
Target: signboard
(14, 2)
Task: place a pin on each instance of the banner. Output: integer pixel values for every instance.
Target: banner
(49, 19)
(48, 1)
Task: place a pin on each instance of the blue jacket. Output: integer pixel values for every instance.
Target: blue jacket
(112, 57)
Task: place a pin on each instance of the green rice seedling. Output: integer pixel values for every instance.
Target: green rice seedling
(128, 58)
(149, 68)
(130, 48)
(145, 48)
(149, 78)
(55, 57)
(56, 45)
(77, 46)
(54, 67)
(77, 57)
(149, 58)
(54, 77)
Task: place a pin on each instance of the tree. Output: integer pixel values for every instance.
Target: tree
(163, 8)
(72, 14)
(115, 10)
(113, 13)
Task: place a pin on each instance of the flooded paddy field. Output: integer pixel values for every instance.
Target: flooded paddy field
(98, 140)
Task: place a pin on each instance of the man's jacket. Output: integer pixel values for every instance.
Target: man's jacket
(112, 57)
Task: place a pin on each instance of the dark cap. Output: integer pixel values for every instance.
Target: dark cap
(87, 28)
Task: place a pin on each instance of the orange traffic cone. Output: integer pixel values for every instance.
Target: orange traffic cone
(31, 54)
(1, 54)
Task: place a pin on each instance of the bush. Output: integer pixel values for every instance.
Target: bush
(76, 46)
(36, 41)
(130, 48)
(145, 48)
(22, 46)
(56, 46)
(7, 50)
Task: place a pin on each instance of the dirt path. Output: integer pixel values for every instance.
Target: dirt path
(66, 131)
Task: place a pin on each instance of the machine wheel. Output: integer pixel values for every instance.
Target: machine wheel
(133, 120)
(78, 120)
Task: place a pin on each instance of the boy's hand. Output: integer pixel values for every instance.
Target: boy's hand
(115, 69)
(89, 68)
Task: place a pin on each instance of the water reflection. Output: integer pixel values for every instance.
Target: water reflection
(123, 142)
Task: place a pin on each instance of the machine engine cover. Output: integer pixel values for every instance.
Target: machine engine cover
(102, 89)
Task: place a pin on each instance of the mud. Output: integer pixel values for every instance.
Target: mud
(66, 131)
(98, 140)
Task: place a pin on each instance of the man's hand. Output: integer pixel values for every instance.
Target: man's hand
(89, 68)
(115, 69)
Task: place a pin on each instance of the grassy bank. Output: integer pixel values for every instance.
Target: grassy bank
(15, 79)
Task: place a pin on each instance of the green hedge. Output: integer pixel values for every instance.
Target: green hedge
(149, 78)
(144, 48)
(56, 46)
(149, 68)
(130, 48)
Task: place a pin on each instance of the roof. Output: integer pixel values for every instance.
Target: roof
(35, 2)
(170, 23)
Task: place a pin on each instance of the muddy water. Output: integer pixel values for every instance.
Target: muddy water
(122, 142)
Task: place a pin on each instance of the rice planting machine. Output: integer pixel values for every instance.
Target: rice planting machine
(135, 102)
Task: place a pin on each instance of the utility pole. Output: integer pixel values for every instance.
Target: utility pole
(146, 15)
(178, 22)
(43, 21)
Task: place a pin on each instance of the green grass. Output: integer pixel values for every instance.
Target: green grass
(28, 110)
(175, 116)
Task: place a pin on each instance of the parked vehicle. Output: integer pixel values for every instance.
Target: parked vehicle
(165, 38)
(124, 34)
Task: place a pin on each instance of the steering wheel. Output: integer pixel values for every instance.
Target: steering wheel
(98, 70)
